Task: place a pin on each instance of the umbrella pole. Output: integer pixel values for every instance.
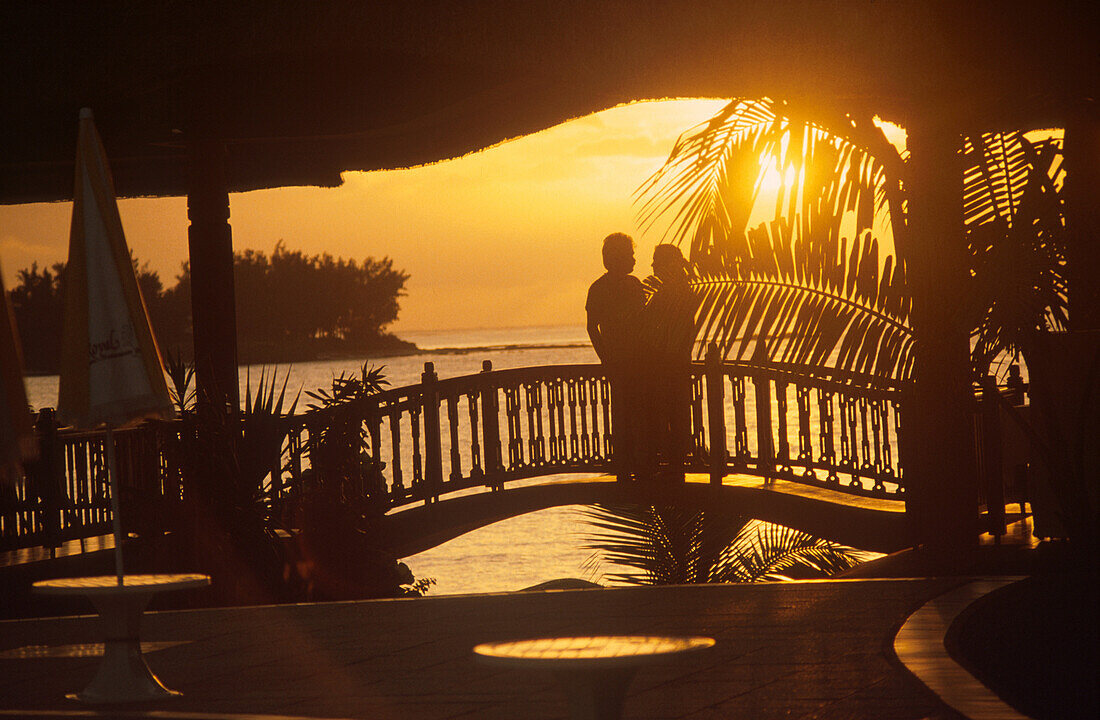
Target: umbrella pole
(116, 514)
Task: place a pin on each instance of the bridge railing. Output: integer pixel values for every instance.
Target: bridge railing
(781, 421)
(772, 420)
(417, 443)
(426, 440)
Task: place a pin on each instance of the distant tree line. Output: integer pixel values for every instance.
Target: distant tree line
(290, 307)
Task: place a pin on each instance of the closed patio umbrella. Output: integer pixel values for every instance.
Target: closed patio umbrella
(111, 372)
(111, 375)
(16, 434)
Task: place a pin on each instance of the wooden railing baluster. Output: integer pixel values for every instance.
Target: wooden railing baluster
(765, 458)
(849, 460)
(825, 430)
(587, 439)
(515, 431)
(536, 443)
(433, 449)
(456, 451)
(557, 412)
(865, 441)
(783, 453)
(476, 468)
(605, 406)
(716, 414)
(876, 444)
(697, 454)
(574, 438)
(490, 425)
(805, 440)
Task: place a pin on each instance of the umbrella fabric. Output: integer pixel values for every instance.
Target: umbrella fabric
(16, 434)
(111, 370)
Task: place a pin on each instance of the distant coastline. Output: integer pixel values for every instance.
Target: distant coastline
(434, 342)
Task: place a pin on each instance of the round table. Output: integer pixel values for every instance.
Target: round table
(594, 672)
(123, 675)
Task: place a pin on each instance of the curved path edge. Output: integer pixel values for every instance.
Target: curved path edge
(919, 645)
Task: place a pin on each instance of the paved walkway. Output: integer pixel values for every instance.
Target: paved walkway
(785, 650)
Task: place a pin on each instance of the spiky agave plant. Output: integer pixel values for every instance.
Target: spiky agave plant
(675, 546)
(801, 278)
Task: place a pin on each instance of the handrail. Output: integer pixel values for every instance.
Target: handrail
(417, 443)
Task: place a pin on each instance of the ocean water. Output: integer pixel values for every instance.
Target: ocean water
(508, 555)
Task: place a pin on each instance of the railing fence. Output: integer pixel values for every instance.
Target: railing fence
(417, 443)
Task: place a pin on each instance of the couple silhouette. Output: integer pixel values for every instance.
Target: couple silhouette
(643, 334)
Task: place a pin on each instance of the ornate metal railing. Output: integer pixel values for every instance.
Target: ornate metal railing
(418, 443)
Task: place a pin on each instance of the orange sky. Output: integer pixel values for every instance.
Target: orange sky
(509, 236)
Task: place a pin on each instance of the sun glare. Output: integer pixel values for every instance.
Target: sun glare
(771, 181)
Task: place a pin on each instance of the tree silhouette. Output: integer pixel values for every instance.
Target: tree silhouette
(37, 302)
(289, 306)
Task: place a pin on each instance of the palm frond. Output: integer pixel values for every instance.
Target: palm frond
(671, 546)
(1015, 231)
(181, 374)
(829, 304)
(712, 180)
(792, 278)
(664, 545)
(767, 551)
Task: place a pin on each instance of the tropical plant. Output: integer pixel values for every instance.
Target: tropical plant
(346, 388)
(675, 546)
(835, 176)
(340, 555)
(224, 522)
(337, 437)
(181, 376)
(1015, 231)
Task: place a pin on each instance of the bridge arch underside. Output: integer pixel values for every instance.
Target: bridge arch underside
(868, 524)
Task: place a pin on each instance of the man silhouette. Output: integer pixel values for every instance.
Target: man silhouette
(614, 307)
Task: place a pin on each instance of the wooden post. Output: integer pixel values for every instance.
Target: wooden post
(992, 458)
(1081, 148)
(938, 447)
(765, 448)
(716, 413)
(433, 449)
(490, 426)
(213, 304)
(47, 478)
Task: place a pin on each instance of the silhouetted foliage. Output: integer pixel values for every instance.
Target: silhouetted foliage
(343, 494)
(290, 306)
(293, 299)
(38, 302)
(676, 546)
(813, 275)
(223, 521)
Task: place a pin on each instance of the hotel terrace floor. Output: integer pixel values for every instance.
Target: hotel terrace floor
(784, 650)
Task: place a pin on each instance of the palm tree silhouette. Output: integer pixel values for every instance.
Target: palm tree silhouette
(813, 274)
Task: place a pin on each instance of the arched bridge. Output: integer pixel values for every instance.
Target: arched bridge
(817, 450)
(812, 449)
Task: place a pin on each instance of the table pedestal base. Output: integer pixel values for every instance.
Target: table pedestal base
(595, 694)
(123, 675)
